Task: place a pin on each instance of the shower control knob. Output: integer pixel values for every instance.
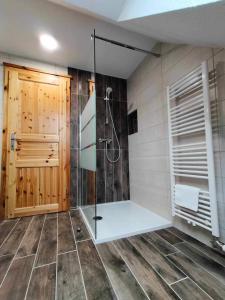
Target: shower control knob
(107, 140)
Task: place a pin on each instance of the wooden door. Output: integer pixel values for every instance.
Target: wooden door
(36, 142)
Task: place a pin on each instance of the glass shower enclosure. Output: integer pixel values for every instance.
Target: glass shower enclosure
(104, 197)
(87, 156)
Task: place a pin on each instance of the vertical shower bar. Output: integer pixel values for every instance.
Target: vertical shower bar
(94, 36)
(209, 144)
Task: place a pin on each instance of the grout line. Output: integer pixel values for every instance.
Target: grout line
(56, 263)
(173, 245)
(32, 219)
(154, 269)
(200, 288)
(107, 275)
(204, 253)
(130, 269)
(67, 252)
(5, 255)
(178, 281)
(187, 275)
(9, 233)
(35, 259)
(194, 283)
(19, 257)
(83, 240)
(183, 242)
(44, 265)
(151, 243)
(200, 266)
(178, 251)
(81, 272)
(15, 253)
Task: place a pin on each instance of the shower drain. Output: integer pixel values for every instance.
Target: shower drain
(97, 218)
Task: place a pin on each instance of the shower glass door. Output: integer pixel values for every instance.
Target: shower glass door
(88, 159)
(87, 154)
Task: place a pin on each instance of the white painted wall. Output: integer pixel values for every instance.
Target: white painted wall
(148, 149)
(23, 62)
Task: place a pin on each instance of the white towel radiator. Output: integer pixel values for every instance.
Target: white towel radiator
(191, 146)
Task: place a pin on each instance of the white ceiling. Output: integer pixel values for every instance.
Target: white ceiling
(133, 9)
(106, 9)
(196, 22)
(201, 26)
(21, 23)
(136, 22)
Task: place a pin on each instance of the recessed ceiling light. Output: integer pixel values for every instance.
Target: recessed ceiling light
(48, 42)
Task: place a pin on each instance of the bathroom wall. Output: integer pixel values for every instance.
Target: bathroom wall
(118, 174)
(149, 150)
(117, 183)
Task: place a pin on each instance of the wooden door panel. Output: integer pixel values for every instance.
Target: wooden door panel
(39, 154)
(38, 77)
(37, 168)
(37, 150)
(40, 108)
(33, 188)
(27, 187)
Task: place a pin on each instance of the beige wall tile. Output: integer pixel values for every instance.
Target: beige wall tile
(148, 150)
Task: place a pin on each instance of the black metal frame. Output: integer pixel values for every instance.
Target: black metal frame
(94, 36)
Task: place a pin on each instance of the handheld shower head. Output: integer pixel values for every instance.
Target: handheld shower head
(108, 92)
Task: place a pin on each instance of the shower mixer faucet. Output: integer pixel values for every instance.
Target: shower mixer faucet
(107, 140)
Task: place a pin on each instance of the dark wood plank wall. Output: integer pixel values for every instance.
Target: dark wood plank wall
(117, 174)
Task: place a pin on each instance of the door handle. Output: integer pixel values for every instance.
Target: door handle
(12, 141)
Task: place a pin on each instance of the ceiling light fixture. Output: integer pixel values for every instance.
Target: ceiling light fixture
(48, 42)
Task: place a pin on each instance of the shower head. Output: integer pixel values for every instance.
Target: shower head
(108, 92)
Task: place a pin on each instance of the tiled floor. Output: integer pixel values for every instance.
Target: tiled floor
(53, 257)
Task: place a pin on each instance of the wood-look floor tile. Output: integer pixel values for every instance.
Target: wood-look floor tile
(5, 228)
(160, 263)
(69, 280)
(153, 284)
(31, 238)
(203, 260)
(205, 280)
(16, 281)
(80, 230)
(200, 246)
(11, 244)
(43, 283)
(48, 243)
(168, 236)
(51, 215)
(4, 264)
(187, 288)
(163, 246)
(123, 282)
(96, 281)
(66, 240)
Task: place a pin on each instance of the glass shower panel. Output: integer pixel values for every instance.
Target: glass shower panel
(88, 157)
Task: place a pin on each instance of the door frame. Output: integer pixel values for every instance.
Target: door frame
(3, 175)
